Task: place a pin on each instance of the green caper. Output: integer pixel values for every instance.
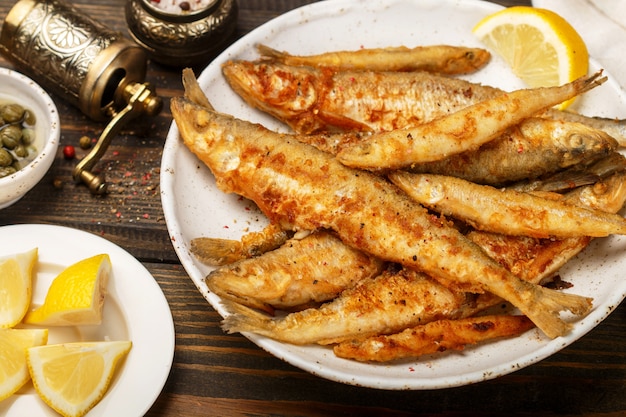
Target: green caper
(21, 151)
(29, 118)
(12, 112)
(11, 136)
(6, 171)
(28, 136)
(5, 158)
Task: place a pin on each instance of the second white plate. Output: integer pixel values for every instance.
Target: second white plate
(135, 309)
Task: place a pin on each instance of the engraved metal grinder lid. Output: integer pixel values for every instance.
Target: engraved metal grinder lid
(181, 33)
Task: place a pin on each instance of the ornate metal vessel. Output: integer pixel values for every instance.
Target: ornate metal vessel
(182, 39)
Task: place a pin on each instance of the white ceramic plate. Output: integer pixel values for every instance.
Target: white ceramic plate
(135, 309)
(194, 207)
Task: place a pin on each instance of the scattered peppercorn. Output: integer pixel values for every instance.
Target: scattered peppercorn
(69, 152)
(84, 142)
(57, 183)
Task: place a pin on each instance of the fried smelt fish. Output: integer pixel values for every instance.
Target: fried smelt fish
(302, 188)
(385, 304)
(443, 59)
(506, 211)
(217, 252)
(313, 100)
(536, 147)
(300, 273)
(437, 336)
(464, 130)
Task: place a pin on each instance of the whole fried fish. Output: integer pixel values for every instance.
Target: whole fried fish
(300, 273)
(464, 130)
(433, 337)
(301, 188)
(443, 59)
(534, 148)
(388, 303)
(509, 212)
(313, 100)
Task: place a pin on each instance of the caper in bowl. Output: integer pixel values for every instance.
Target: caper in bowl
(29, 135)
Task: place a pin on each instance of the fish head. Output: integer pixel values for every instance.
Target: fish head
(608, 194)
(207, 133)
(283, 91)
(583, 139)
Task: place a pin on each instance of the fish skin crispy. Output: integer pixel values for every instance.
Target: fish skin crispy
(433, 337)
(313, 100)
(443, 59)
(534, 148)
(506, 211)
(533, 259)
(387, 303)
(464, 130)
(302, 188)
(300, 273)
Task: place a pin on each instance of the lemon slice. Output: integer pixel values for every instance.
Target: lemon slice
(76, 295)
(16, 286)
(541, 47)
(13, 344)
(73, 377)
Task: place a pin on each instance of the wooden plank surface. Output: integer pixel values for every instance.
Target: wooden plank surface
(215, 374)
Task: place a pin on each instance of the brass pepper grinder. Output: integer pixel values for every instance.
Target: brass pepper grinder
(77, 58)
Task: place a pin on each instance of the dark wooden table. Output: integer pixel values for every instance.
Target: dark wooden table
(216, 374)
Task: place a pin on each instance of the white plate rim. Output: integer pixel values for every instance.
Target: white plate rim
(141, 377)
(340, 371)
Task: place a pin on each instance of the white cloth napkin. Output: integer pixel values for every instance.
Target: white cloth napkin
(602, 25)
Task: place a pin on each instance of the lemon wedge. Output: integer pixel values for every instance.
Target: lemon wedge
(16, 286)
(13, 344)
(541, 47)
(73, 377)
(76, 295)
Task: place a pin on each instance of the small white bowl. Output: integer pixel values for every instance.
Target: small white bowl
(18, 88)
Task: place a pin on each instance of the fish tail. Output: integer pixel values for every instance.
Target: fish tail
(545, 306)
(245, 319)
(584, 84)
(272, 53)
(193, 91)
(216, 252)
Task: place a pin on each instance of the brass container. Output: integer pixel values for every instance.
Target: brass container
(182, 39)
(72, 55)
